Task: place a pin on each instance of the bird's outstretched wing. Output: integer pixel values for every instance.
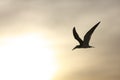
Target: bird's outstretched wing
(76, 36)
(89, 33)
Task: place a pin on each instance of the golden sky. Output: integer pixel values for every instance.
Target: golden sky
(36, 40)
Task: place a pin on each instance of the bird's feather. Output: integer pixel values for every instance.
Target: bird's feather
(87, 36)
(76, 36)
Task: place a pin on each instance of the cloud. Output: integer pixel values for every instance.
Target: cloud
(59, 17)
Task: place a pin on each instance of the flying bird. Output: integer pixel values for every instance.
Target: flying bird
(84, 43)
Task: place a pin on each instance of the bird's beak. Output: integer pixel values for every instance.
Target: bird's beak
(73, 48)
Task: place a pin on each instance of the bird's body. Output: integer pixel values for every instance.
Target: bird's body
(84, 43)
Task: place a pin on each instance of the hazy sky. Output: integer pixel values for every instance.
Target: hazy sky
(53, 20)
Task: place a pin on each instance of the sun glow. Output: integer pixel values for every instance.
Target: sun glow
(27, 57)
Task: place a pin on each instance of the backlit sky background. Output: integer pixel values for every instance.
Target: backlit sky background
(36, 40)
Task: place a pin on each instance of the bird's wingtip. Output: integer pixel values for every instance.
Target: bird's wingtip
(99, 22)
(74, 28)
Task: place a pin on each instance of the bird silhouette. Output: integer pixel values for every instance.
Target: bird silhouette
(84, 43)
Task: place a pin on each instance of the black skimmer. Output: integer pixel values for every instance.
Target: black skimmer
(84, 43)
